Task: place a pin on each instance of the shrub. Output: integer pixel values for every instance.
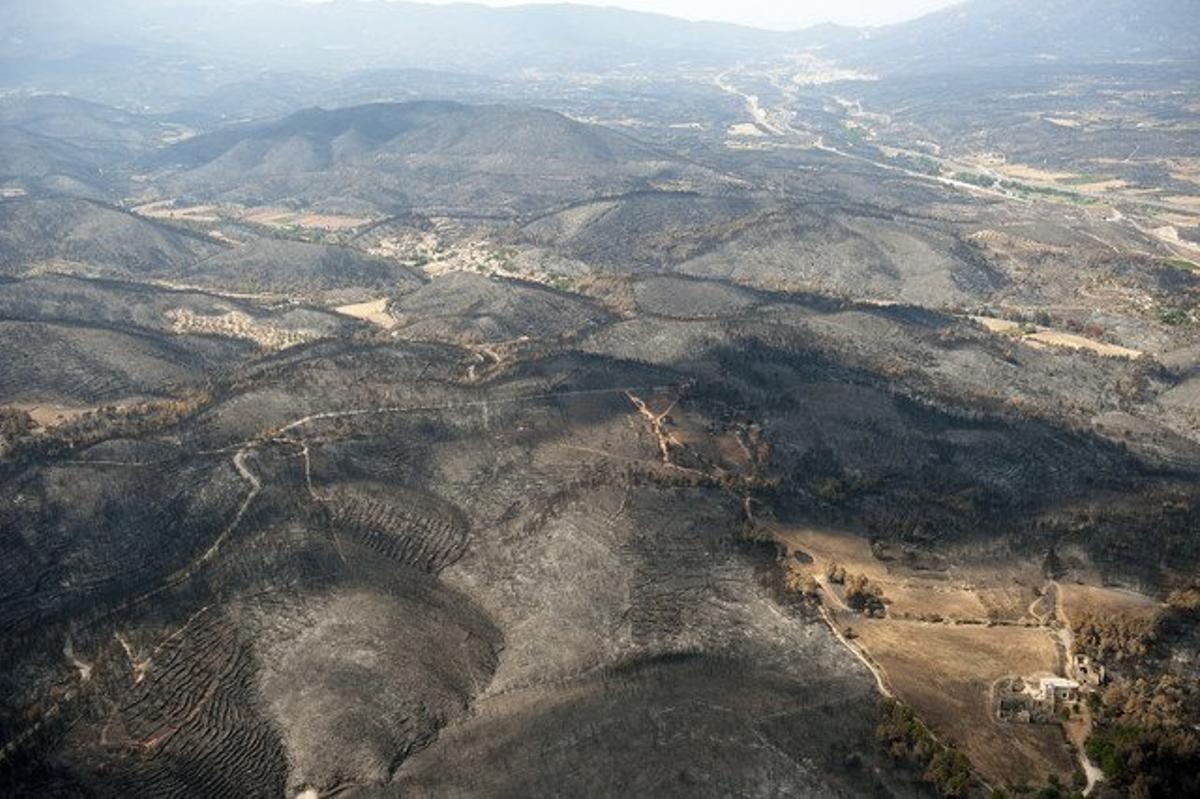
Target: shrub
(863, 596)
(835, 573)
(1172, 316)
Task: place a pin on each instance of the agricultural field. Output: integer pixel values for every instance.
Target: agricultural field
(945, 673)
(949, 629)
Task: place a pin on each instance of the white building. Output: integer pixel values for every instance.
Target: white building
(1056, 691)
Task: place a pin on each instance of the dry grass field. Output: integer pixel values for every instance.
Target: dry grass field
(963, 593)
(1105, 600)
(938, 653)
(1054, 338)
(50, 416)
(266, 216)
(166, 209)
(1044, 337)
(945, 673)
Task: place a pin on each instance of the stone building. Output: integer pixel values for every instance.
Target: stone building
(1017, 700)
(1087, 672)
(1054, 692)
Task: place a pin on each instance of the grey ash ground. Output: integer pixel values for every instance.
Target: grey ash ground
(418, 447)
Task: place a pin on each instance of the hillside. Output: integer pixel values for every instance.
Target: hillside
(271, 266)
(66, 144)
(446, 400)
(80, 234)
(401, 156)
(463, 307)
(463, 37)
(109, 133)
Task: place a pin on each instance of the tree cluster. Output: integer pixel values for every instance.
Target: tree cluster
(864, 596)
(1146, 738)
(1114, 637)
(14, 422)
(1185, 601)
(907, 738)
(802, 583)
(835, 573)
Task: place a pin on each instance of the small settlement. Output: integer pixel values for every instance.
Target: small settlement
(1044, 699)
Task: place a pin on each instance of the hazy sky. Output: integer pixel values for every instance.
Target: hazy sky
(778, 14)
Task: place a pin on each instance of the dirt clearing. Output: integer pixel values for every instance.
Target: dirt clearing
(1043, 338)
(47, 417)
(373, 311)
(282, 217)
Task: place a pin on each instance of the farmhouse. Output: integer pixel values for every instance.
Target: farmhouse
(1054, 692)
(1025, 702)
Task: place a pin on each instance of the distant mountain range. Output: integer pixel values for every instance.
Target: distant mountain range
(1017, 32)
(347, 35)
(65, 43)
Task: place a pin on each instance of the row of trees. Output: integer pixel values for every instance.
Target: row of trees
(108, 421)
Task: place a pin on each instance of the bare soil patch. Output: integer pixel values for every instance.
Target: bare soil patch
(373, 311)
(47, 416)
(166, 209)
(1102, 185)
(1044, 337)
(259, 215)
(282, 217)
(1023, 172)
(745, 129)
(1054, 338)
